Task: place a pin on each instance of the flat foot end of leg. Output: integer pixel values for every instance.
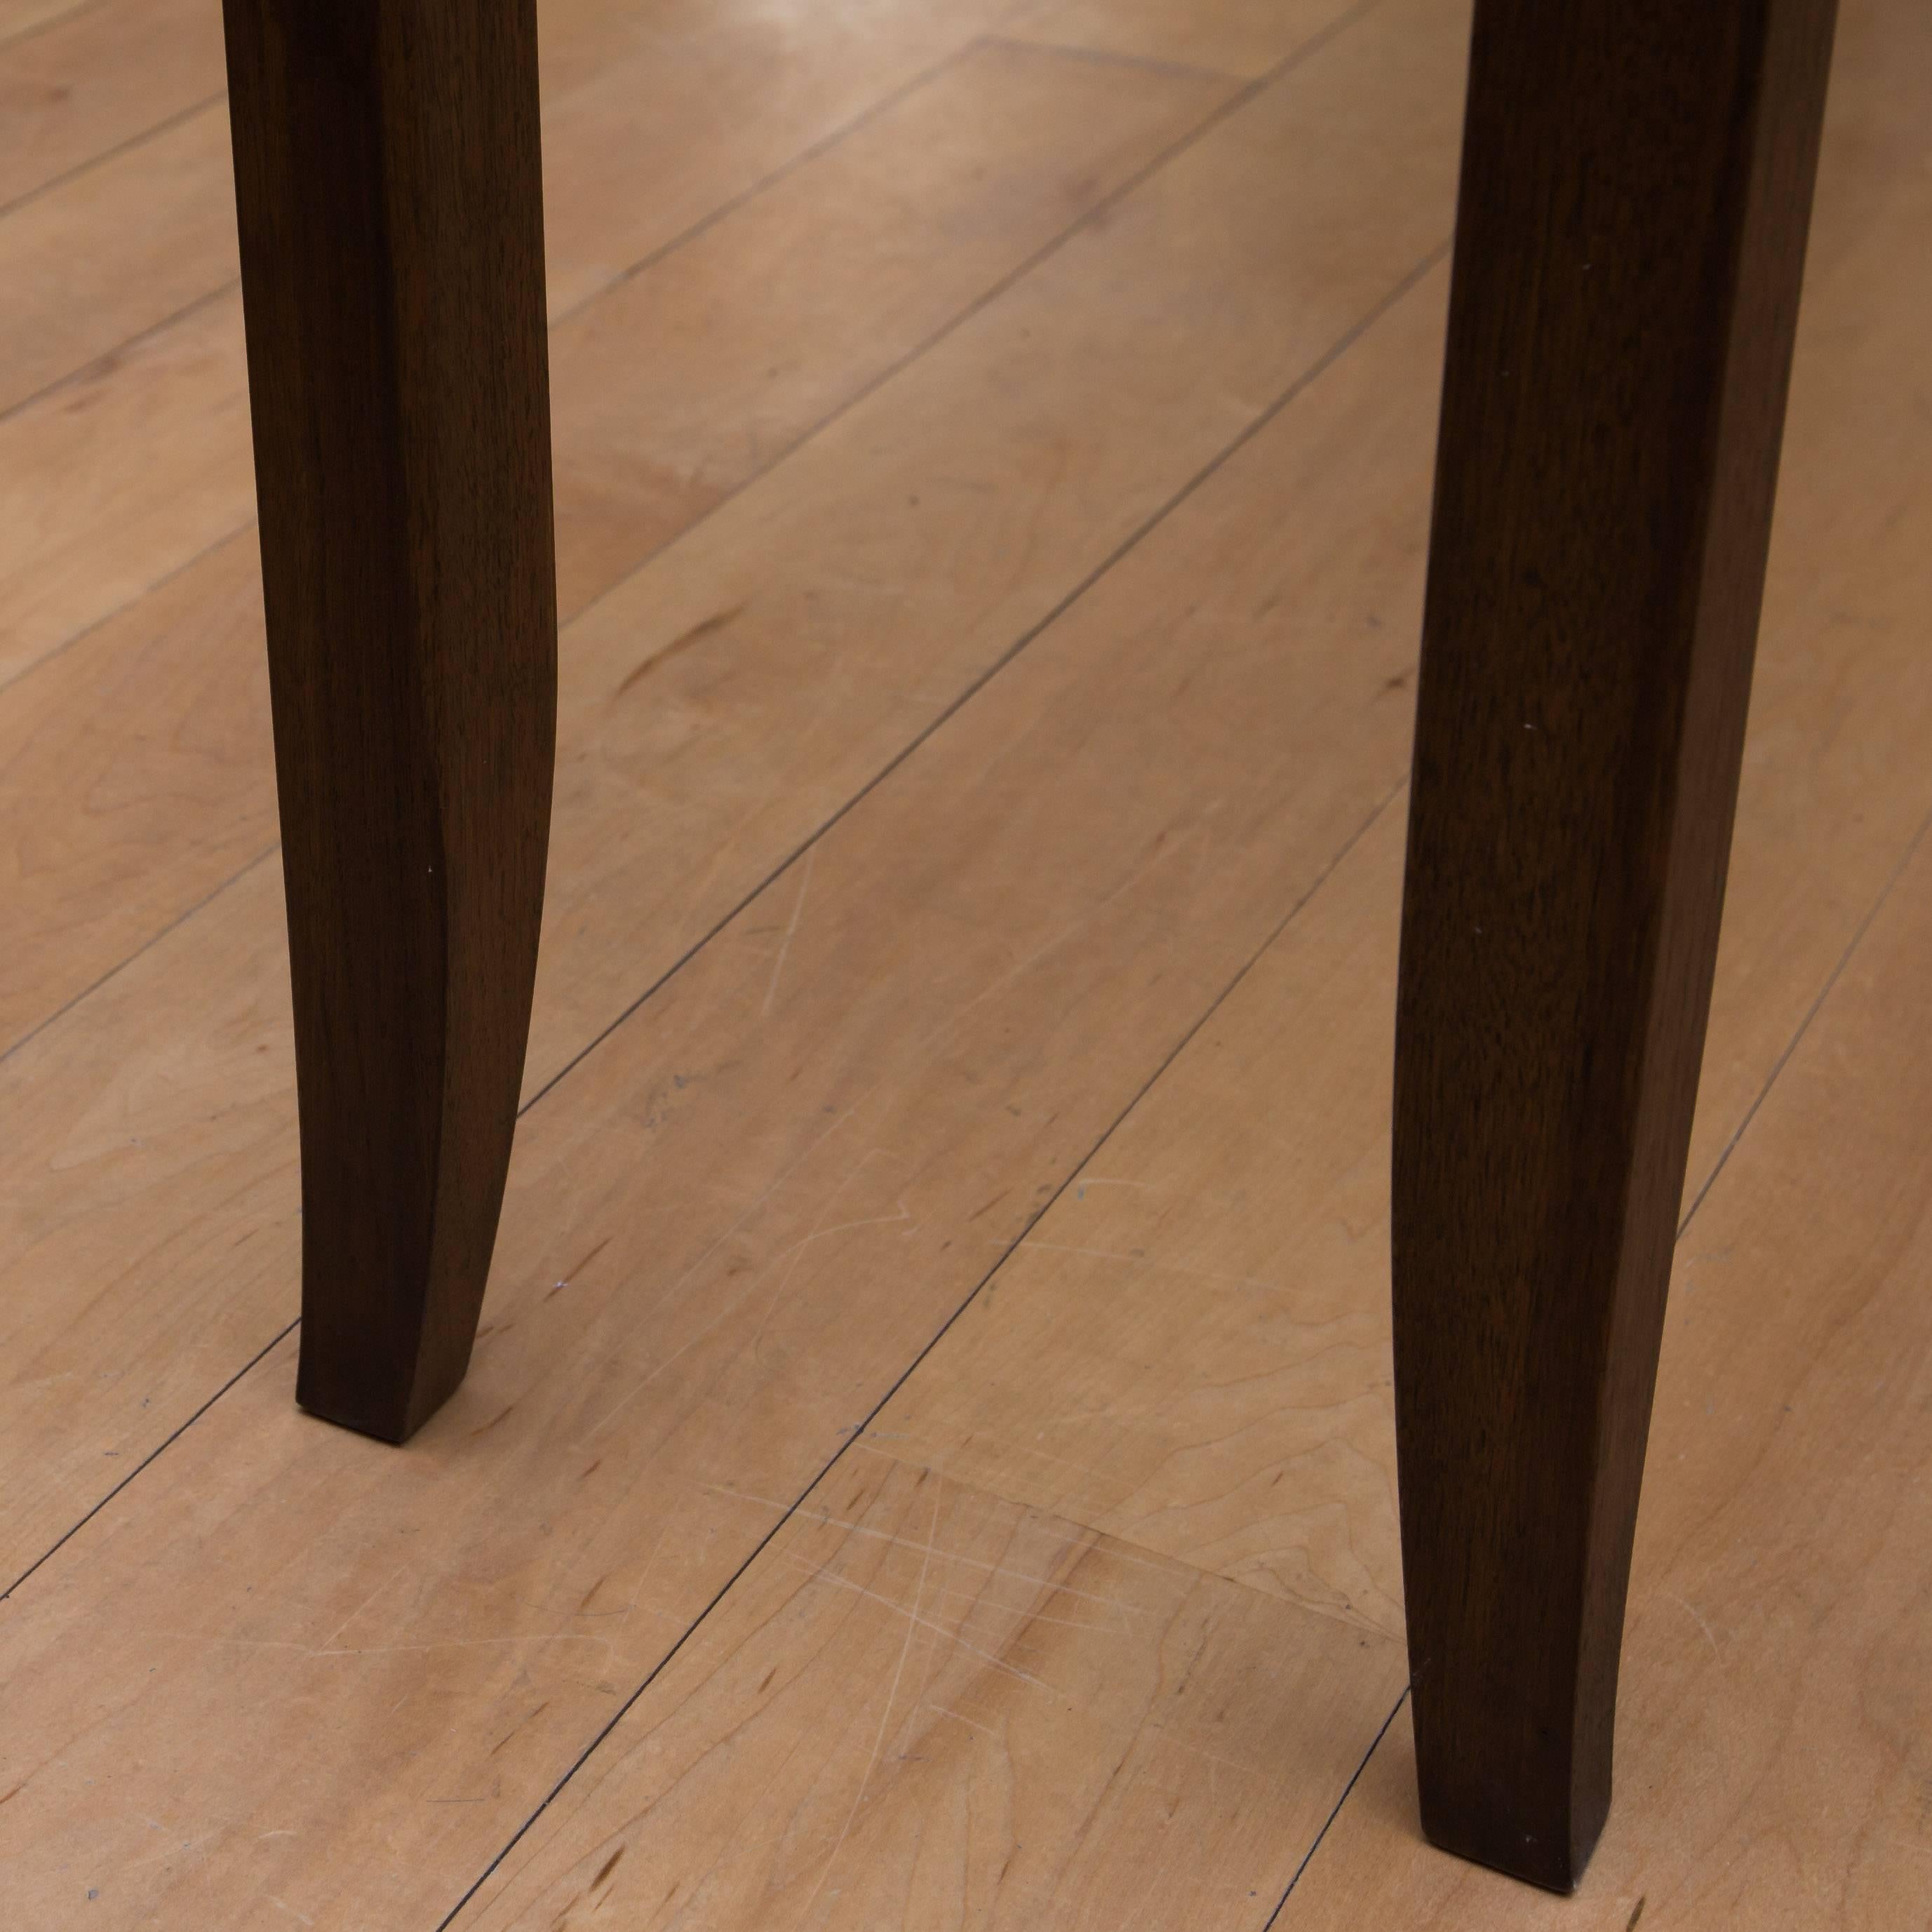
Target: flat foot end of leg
(378, 1428)
(1553, 1858)
(388, 1414)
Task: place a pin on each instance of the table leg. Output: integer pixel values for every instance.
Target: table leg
(1635, 192)
(389, 186)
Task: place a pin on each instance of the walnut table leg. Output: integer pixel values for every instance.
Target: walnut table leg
(389, 184)
(1635, 190)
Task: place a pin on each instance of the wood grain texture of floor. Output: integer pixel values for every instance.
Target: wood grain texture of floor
(929, 1461)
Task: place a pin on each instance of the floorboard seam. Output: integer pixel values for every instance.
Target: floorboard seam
(22, 673)
(1246, 93)
(1347, 1790)
(80, 373)
(53, 20)
(1805, 1025)
(147, 945)
(1117, 57)
(46, 1554)
(107, 154)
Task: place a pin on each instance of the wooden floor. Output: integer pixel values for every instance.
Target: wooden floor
(929, 1461)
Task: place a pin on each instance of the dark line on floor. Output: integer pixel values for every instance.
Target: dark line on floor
(656, 255)
(147, 945)
(107, 155)
(991, 294)
(1115, 57)
(88, 629)
(1805, 1025)
(84, 370)
(824, 145)
(47, 1554)
(1346, 1790)
(52, 21)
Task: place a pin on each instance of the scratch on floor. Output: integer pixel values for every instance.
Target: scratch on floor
(643, 1576)
(970, 1562)
(466, 1643)
(1698, 1617)
(324, 1648)
(939, 1630)
(1201, 1750)
(971, 1724)
(797, 912)
(570, 1274)
(885, 1716)
(1067, 1462)
(818, 1231)
(678, 646)
(1136, 1260)
(995, 986)
(518, 1725)
(979, 1599)
(902, 1213)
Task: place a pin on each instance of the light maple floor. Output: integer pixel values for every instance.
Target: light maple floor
(928, 1462)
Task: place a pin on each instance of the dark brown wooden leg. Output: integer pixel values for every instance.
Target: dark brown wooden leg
(1635, 190)
(388, 180)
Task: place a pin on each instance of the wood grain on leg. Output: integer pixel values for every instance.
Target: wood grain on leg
(1635, 192)
(389, 182)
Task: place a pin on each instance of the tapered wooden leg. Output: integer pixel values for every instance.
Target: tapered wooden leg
(388, 182)
(1635, 190)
